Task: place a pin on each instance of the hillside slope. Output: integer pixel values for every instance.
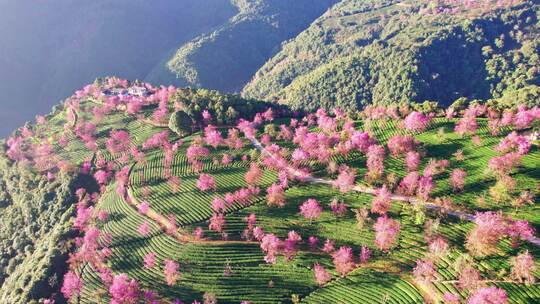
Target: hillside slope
(228, 57)
(162, 195)
(390, 51)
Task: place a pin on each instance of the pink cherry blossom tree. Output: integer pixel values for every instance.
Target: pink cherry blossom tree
(416, 122)
(365, 254)
(270, 245)
(329, 246)
(401, 144)
(149, 260)
(290, 244)
(143, 207)
(523, 268)
(275, 195)
(343, 260)
(206, 182)
(311, 209)
(253, 176)
(424, 272)
(144, 229)
(488, 295)
(345, 179)
(375, 162)
(339, 209)
(412, 161)
(386, 232)
(217, 222)
(123, 290)
(457, 179)
(489, 228)
(469, 278)
(212, 136)
(381, 202)
(72, 285)
(171, 272)
(322, 276)
(119, 141)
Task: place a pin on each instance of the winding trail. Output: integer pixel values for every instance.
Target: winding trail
(363, 189)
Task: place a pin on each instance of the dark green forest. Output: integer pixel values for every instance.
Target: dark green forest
(386, 52)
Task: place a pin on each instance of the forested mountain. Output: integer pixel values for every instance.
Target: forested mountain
(228, 57)
(388, 51)
(50, 48)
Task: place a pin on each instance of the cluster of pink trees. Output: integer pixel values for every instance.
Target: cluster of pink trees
(491, 227)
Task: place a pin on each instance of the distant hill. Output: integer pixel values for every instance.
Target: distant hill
(228, 57)
(384, 51)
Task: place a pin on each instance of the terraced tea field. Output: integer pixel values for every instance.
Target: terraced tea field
(250, 250)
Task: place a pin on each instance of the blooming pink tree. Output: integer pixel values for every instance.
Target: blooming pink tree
(424, 272)
(143, 207)
(219, 205)
(345, 180)
(438, 247)
(412, 161)
(425, 186)
(381, 202)
(469, 278)
(289, 245)
(270, 245)
(119, 141)
(409, 183)
(375, 162)
(524, 118)
(466, 125)
(217, 222)
(489, 228)
(212, 136)
(457, 179)
(149, 260)
(343, 259)
(329, 246)
(365, 254)
(144, 229)
(253, 176)
(416, 122)
(123, 290)
(488, 295)
(514, 143)
(171, 272)
(523, 268)
(502, 165)
(338, 208)
(401, 144)
(450, 298)
(322, 276)
(72, 285)
(275, 195)
(206, 182)
(386, 232)
(311, 209)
